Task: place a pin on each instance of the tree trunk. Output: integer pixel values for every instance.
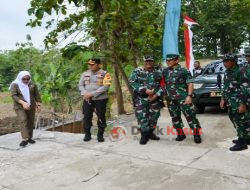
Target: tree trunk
(134, 63)
(207, 47)
(103, 46)
(125, 78)
(118, 90)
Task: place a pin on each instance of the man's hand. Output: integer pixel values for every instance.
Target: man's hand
(188, 100)
(26, 106)
(222, 104)
(153, 97)
(150, 92)
(242, 108)
(87, 96)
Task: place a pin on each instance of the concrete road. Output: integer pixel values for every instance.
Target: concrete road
(65, 162)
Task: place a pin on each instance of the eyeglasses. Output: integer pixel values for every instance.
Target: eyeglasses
(25, 79)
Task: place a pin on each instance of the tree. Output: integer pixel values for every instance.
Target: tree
(122, 29)
(218, 31)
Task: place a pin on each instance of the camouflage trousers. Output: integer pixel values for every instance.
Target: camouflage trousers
(241, 122)
(175, 107)
(147, 113)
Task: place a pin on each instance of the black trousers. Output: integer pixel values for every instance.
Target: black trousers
(97, 106)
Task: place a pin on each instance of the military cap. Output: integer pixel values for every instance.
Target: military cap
(148, 58)
(230, 57)
(171, 57)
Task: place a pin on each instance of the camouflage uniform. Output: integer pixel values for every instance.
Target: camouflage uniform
(146, 112)
(245, 86)
(176, 84)
(236, 87)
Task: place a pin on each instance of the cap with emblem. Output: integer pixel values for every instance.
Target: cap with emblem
(230, 57)
(171, 57)
(148, 58)
(94, 61)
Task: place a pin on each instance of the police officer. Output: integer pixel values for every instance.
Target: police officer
(197, 69)
(178, 90)
(94, 85)
(145, 82)
(233, 96)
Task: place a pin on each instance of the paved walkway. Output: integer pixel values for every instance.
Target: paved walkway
(65, 162)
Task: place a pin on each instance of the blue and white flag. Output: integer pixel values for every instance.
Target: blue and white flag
(171, 27)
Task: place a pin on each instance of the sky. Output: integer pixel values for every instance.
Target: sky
(13, 18)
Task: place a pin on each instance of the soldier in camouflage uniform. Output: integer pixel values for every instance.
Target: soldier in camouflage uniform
(235, 97)
(245, 73)
(178, 88)
(145, 82)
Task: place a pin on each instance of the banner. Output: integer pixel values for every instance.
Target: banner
(188, 37)
(171, 28)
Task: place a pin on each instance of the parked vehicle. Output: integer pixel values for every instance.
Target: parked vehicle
(208, 86)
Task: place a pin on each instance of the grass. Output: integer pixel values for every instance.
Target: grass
(5, 98)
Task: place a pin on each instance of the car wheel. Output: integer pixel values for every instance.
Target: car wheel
(199, 108)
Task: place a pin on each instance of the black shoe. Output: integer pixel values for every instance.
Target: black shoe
(152, 136)
(99, 139)
(23, 143)
(197, 139)
(31, 141)
(87, 137)
(235, 141)
(180, 135)
(100, 135)
(240, 145)
(144, 138)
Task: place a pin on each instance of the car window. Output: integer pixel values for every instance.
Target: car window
(214, 68)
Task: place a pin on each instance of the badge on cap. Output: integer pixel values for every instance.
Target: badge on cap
(171, 57)
(91, 62)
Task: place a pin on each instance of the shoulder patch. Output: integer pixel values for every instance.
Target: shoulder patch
(107, 79)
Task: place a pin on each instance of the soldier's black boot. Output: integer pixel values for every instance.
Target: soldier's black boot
(240, 145)
(197, 139)
(100, 135)
(144, 137)
(180, 135)
(152, 136)
(87, 136)
(235, 141)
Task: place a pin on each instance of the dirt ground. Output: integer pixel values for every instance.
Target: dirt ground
(8, 123)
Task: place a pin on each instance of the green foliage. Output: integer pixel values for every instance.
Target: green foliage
(57, 77)
(127, 28)
(119, 32)
(223, 25)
